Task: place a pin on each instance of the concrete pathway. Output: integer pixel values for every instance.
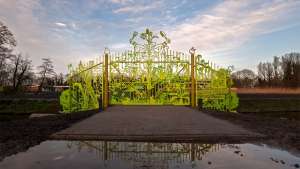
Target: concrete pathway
(155, 123)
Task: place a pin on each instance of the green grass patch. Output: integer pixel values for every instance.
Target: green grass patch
(28, 106)
(269, 105)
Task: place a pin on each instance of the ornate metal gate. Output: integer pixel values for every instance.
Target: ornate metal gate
(150, 74)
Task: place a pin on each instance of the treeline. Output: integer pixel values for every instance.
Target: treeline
(283, 72)
(16, 69)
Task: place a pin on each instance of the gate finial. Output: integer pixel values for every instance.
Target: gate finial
(192, 50)
(106, 50)
(148, 37)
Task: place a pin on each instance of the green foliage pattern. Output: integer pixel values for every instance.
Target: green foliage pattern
(213, 87)
(84, 92)
(149, 74)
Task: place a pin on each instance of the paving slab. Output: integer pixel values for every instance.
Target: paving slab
(155, 123)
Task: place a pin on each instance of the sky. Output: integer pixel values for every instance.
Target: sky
(229, 32)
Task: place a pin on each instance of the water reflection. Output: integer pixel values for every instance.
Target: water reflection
(134, 155)
(141, 153)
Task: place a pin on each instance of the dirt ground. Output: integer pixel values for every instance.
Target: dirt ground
(282, 130)
(19, 135)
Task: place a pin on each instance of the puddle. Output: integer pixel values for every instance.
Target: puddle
(134, 155)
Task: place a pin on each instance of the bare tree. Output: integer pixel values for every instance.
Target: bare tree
(244, 78)
(265, 74)
(262, 74)
(291, 69)
(46, 72)
(284, 71)
(7, 42)
(297, 69)
(21, 71)
(269, 73)
(59, 79)
(277, 71)
(6, 36)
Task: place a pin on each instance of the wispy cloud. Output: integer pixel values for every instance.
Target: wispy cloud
(36, 36)
(60, 24)
(120, 1)
(135, 19)
(69, 31)
(229, 24)
(131, 8)
(119, 46)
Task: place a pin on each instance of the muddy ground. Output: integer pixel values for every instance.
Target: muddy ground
(18, 135)
(282, 130)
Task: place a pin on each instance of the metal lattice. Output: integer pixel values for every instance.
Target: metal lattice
(150, 74)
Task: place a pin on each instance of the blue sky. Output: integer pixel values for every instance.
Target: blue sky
(231, 32)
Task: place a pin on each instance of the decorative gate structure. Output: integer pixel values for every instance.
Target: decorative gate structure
(150, 74)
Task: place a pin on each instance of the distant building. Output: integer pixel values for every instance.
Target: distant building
(60, 88)
(35, 88)
(31, 88)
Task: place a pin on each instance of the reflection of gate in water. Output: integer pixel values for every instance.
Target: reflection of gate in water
(151, 73)
(155, 155)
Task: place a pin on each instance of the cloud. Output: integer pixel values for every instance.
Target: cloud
(120, 1)
(135, 19)
(19, 17)
(60, 24)
(73, 25)
(229, 24)
(71, 31)
(120, 46)
(36, 36)
(130, 8)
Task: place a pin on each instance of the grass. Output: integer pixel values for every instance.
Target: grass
(260, 100)
(28, 106)
(269, 105)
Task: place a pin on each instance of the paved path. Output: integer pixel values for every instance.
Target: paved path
(155, 123)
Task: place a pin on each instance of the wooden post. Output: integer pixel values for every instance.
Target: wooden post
(105, 97)
(193, 81)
